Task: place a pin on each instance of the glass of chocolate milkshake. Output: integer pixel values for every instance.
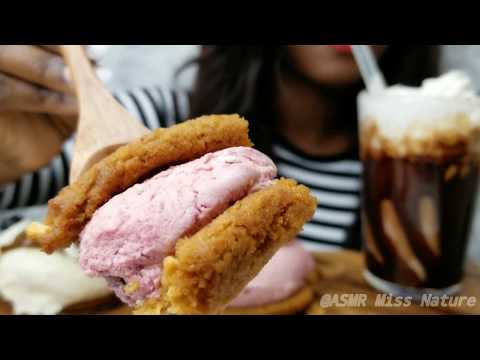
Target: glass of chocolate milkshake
(420, 149)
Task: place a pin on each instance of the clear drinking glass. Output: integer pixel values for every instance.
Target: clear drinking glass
(420, 158)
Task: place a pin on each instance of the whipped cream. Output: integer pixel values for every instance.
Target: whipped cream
(447, 105)
(36, 283)
(455, 84)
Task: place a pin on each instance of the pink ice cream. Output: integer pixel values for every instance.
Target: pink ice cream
(283, 276)
(128, 237)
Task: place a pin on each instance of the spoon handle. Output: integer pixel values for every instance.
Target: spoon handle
(81, 70)
(103, 123)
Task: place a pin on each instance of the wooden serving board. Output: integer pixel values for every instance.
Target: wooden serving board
(341, 273)
(5, 309)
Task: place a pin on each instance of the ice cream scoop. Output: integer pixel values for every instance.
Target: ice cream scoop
(34, 283)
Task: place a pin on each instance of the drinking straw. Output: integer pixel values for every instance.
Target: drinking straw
(371, 74)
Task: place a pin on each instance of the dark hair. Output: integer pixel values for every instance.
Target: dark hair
(240, 79)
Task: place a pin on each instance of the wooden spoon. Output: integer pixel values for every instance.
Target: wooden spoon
(103, 124)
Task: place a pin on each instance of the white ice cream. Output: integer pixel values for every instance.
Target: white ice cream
(37, 283)
(444, 104)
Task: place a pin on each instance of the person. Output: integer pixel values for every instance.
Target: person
(300, 101)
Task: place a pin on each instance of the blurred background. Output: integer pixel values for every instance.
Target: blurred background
(146, 65)
(143, 65)
(130, 66)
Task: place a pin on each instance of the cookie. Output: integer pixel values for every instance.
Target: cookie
(211, 267)
(74, 206)
(295, 304)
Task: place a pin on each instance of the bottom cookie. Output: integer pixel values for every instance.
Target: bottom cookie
(316, 309)
(293, 305)
(96, 306)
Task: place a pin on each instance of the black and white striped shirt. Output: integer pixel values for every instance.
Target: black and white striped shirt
(335, 181)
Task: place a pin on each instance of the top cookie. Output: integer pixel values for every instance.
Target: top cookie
(74, 206)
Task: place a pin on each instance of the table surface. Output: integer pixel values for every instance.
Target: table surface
(341, 273)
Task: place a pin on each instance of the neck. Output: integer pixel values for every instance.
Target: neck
(306, 117)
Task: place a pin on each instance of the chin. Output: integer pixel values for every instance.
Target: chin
(336, 76)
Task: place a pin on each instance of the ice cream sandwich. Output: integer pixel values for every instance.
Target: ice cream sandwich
(188, 239)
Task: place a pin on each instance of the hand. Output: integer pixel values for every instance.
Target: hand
(38, 110)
